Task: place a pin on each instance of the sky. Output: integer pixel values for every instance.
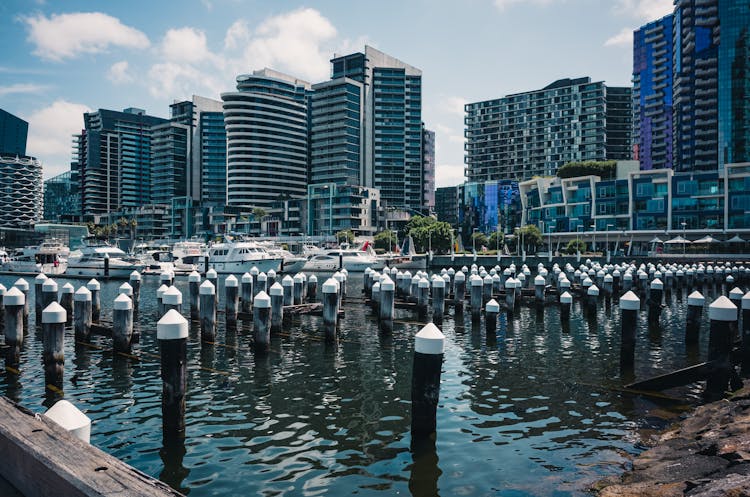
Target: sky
(60, 59)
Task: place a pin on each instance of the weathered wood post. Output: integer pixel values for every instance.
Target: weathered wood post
(591, 300)
(459, 291)
(270, 278)
(165, 278)
(340, 277)
(387, 295)
(160, 300)
(122, 323)
(654, 301)
(207, 293)
(261, 281)
(262, 322)
(135, 283)
(343, 281)
(695, 303)
(246, 289)
(616, 282)
(125, 289)
(627, 281)
(232, 297)
(287, 283)
(49, 292)
(491, 311)
(254, 271)
(496, 284)
(304, 286)
(213, 277)
(53, 331)
(510, 293)
(172, 299)
(330, 291)
(66, 300)
(745, 333)
(486, 289)
(194, 284)
(477, 284)
(14, 302)
(438, 300)
(608, 284)
(277, 307)
(38, 299)
(429, 346)
(414, 287)
(566, 300)
(82, 313)
(297, 289)
(735, 296)
(312, 288)
(423, 298)
(539, 285)
(629, 307)
(723, 315)
(374, 299)
(23, 286)
(172, 333)
(96, 302)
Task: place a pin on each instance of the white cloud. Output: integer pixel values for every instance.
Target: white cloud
(118, 73)
(644, 10)
(622, 39)
(237, 34)
(21, 88)
(50, 129)
(503, 4)
(65, 36)
(185, 45)
(174, 80)
(449, 175)
(453, 105)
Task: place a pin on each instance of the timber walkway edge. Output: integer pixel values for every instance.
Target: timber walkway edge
(40, 459)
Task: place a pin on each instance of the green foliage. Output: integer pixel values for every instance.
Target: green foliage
(496, 240)
(532, 236)
(574, 246)
(478, 239)
(430, 233)
(259, 213)
(345, 236)
(385, 240)
(604, 169)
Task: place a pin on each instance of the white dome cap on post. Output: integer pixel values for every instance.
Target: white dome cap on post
(172, 326)
(630, 302)
(14, 296)
(722, 309)
(70, 419)
(429, 340)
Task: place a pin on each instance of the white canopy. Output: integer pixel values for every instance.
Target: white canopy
(656, 240)
(736, 239)
(678, 239)
(707, 239)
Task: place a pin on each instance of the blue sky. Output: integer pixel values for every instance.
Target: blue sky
(60, 59)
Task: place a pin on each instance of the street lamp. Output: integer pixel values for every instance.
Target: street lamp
(580, 228)
(606, 245)
(684, 225)
(593, 237)
(497, 242)
(474, 242)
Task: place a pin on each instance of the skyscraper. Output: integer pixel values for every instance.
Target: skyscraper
(13, 133)
(392, 122)
(428, 169)
(534, 133)
(653, 136)
(267, 139)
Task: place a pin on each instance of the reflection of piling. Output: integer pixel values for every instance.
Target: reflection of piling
(438, 300)
(122, 323)
(172, 333)
(629, 306)
(194, 283)
(693, 321)
(231, 304)
(82, 313)
(246, 289)
(262, 322)
(387, 295)
(429, 345)
(330, 292)
(208, 311)
(491, 311)
(277, 306)
(723, 315)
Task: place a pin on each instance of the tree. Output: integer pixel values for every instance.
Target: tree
(496, 241)
(345, 236)
(259, 213)
(574, 246)
(604, 169)
(530, 236)
(385, 240)
(133, 225)
(479, 240)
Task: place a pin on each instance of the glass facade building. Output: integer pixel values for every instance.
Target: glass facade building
(447, 204)
(13, 134)
(653, 135)
(428, 169)
(62, 198)
(169, 150)
(489, 206)
(213, 158)
(534, 133)
(21, 191)
(267, 139)
(332, 208)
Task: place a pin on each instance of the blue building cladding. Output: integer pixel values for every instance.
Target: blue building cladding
(13, 134)
(213, 157)
(652, 94)
(489, 206)
(698, 201)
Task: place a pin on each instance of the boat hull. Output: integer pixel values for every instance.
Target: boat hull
(31, 268)
(241, 267)
(116, 272)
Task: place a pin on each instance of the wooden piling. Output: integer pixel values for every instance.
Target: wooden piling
(429, 346)
(735, 296)
(491, 311)
(695, 302)
(66, 300)
(207, 293)
(246, 289)
(165, 278)
(82, 312)
(14, 302)
(476, 284)
(539, 286)
(297, 282)
(172, 334)
(374, 299)
(510, 293)
(53, 331)
(262, 322)
(96, 303)
(330, 290)
(745, 333)
(194, 283)
(254, 271)
(49, 292)
(261, 282)
(629, 304)
(423, 297)
(122, 323)
(172, 299)
(312, 288)
(160, 300)
(656, 295)
(23, 286)
(566, 300)
(438, 300)
(38, 299)
(287, 284)
(387, 295)
(231, 304)
(213, 277)
(270, 278)
(723, 315)
(277, 307)
(135, 284)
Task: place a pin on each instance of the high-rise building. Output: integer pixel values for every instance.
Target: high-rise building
(653, 135)
(392, 124)
(696, 84)
(446, 204)
(734, 82)
(112, 156)
(62, 198)
(534, 133)
(21, 187)
(267, 139)
(428, 169)
(13, 134)
(169, 162)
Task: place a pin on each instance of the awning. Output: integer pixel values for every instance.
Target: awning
(678, 240)
(736, 239)
(707, 239)
(656, 240)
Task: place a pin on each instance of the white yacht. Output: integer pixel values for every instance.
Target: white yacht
(88, 261)
(291, 263)
(350, 259)
(187, 254)
(47, 258)
(240, 256)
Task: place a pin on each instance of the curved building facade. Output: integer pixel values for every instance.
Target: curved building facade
(267, 140)
(21, 196)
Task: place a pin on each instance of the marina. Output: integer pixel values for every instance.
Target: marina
(536, 404)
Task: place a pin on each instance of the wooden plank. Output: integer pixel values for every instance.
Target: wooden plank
(678, 378)
(42, 459)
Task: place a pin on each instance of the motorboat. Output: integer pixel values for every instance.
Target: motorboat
(353, 260)
(290, 263)
(407, 257)
(189, 253)
(238, 257)
(48, 258)
(89, 261)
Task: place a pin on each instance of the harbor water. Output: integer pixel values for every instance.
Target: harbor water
(533, 409)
